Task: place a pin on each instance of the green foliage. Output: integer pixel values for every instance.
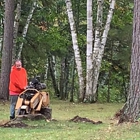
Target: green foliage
(123, 14)
(49, 33)
(44, 37)
(114, 74)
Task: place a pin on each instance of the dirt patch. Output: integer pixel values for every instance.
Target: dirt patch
(14, 123)
(80, 119)
(31, 117)
(118, 114)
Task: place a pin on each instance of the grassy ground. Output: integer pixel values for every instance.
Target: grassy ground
(63, 129)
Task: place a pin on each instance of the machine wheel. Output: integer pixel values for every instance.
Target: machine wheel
(22, 112)
(47, 112)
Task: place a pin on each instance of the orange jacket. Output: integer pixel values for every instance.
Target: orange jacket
(18, 80)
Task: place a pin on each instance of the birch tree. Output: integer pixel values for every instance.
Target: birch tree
(1, 33)
(131, 110)
(16, 25)
(89, 64)
(100, 43)
(1, 25)
(76, 49)
(24, 33)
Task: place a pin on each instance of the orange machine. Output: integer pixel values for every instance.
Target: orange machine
(31, 101)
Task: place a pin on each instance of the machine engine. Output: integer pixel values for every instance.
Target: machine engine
(33, 99)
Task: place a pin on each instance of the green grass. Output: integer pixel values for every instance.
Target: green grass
(63, 129)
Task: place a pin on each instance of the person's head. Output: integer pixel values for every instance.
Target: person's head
(18, 64)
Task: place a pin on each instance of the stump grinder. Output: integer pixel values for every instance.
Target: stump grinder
(33, 100)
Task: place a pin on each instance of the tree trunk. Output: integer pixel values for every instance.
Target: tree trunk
(76, 50)
(98, 54)
(62, 79)
(89, 64)
(52, 73)
(16, 25)
(1, 27)
(72, 83)
(98, 33)
(26, 28)
(131, 110)
(7, 48)
(110, 73)
(1, 33)
(66, 77)
(46, 70)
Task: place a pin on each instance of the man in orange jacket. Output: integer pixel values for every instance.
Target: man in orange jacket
(18, 83)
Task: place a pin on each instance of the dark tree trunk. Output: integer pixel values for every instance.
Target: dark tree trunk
(62, 79)
(72, 83)
(7, 48)
(51, 68)
(108, 92)
(66, 78)
(131, 110)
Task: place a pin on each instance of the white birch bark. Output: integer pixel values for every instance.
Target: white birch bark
(99, 54)
(26, 27)
(16, 25)
(97, 40)
(97, 45)
(54, 62)
(76, 49)
(107, 28)
(46, 70)
(1, 40)
(89, 64)
(1, 35)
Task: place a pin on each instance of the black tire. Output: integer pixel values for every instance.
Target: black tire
(22, 112)
(47, 112)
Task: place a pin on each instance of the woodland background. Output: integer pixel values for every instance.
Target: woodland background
(44, 40)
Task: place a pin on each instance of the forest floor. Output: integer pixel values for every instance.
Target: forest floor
(70, 121)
